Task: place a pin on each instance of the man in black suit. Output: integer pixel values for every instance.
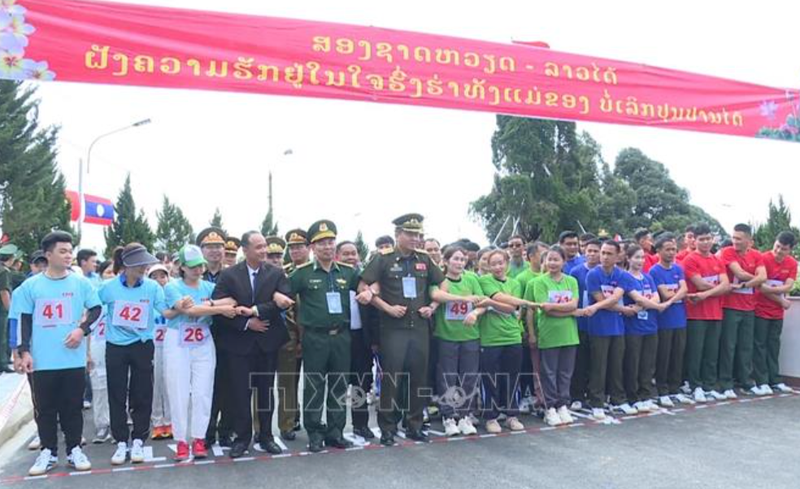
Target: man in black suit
(252, 339)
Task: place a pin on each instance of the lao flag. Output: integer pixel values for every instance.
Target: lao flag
(75, 205)
(98, 210)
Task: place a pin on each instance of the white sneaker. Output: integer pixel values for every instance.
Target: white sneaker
(466, 427)
(78, 460)
(626, 409)
(700, 395)
(686, 389)
(684, 399)
(35, 444)
(729, 394)
(666, 401)
(576, 406)
(514, 424)
(44, 463)
(756, 391)
(564, 414)
(120, 454)
(598, 414)
(783, 388)
(493, 426)
(651, 405)
(641, 406)
(717, 396)
(767, 390)
(137, 452)
(450, 428)
(552, 418)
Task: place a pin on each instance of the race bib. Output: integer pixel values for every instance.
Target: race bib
(457, 310)
(642, 315)
(52, 312)
(193, 335)
(559, 296)
(674, 288)
(130, 315)
(776, 283)
(410, 287)
(158, 335)
(712, 279)
(99, 330)
(607, 290)
(334, 302)
(743, 290)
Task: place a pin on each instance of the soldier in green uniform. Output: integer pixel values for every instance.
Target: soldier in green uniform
(7, 256)
(322, 289)
(212, 241)
(289, 355)
(403, 283)
(232, 246)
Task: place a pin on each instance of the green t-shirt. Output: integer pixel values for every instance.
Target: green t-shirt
(449, 319)
(525, 277)
(514, 270)
(497, 328)
(554, 332)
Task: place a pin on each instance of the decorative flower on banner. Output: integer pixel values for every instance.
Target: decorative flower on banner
(14, 34)
(768, 109)
(788, 130)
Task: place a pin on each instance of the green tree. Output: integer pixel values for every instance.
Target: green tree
(32, 199)
(779, 219)
(128, 226)
(361, 246)
(216, 221)
(268, 228)
(546, 180)
(173, 230)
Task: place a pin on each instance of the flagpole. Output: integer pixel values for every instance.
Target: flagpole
(81, 206)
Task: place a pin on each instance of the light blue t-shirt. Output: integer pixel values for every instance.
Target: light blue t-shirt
(132, 311)
(57, 307)
(177, 290)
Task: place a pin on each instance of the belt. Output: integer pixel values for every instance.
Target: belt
(333, 331)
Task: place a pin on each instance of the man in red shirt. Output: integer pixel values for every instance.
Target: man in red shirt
(645, 240)
(781, 270)
(689, 241)
(707, 283)
(746, 273)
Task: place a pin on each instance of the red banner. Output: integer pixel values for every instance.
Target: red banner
(97, 42)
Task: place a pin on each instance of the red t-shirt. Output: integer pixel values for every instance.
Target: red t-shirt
(740, 299)
(709, 268)
(777, 273)
(650, 259)
(682, 255)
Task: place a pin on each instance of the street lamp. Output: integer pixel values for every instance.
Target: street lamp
(140, 123)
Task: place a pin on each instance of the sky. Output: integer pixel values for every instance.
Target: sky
(363, 164)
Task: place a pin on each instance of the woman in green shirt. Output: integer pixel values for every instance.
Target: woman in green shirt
(556, 334)
(501, 343)
(458, 339)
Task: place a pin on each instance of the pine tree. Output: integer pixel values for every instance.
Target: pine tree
(268, 228)
(780, 219)
(32, 200)
(128, 226)
(216, 221)
(173, 230)
(361, 246)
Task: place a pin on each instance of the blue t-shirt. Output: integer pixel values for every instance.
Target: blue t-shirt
(571, 264)
(132, 311)
(580, 273)
(57, 307)
(605, 322)
(177, 290)
(674, 317)
(644, 322)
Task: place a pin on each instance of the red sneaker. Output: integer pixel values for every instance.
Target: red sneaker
(157, 431)
(167, 432)
(199, 448)
(183, 452)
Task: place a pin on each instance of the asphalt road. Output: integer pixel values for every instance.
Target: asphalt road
(752, 444)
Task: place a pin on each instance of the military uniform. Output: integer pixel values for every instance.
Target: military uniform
(232, 246)
(220, 423)
(288, 361)
(404, 280)
(6, 283)
(324, 306)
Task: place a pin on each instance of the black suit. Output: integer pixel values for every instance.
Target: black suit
(247, 352)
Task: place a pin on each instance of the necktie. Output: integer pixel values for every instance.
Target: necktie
(253, 286)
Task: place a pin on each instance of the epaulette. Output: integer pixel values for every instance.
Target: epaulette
(421, 251)
(387, 251)
(306, 264)
(343, 264)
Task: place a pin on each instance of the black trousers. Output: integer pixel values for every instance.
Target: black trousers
(580, 376)
(640, 366)
(59, 398)
(361, 377)
(219, 424)
(669, 361)
(129, 373)
(404, 358)
(255, 370)
(605, 373)
(500, 380)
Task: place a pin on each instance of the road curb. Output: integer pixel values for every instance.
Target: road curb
(16, 411)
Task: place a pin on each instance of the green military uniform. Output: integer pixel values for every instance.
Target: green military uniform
(211, 236)
(404, 280)
(6, 275)
(288, 361)
(324, 305)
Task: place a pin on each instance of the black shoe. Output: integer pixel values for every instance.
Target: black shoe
(297, 426)
(364, 433)
(270, 447)
(238, 449)
(417, 435)
(387, 439)
(338, 443)
(315, 446)
(288, 435)
(224, 441)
